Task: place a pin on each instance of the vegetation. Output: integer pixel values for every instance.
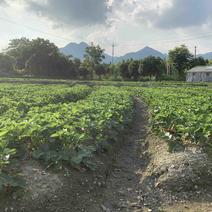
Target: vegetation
(54, 129)
(181, 60)
(182, 115)
(67, 123)
(41, 58)
(92, 64)
(63, 123)
(7, 64)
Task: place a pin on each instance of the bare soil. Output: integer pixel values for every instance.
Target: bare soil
(139, 174)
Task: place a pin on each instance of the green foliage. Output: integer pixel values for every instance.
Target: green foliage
(42, 58)
(7, 64)
(183, 115)
(179, 59)
(17, 101)
(8, 181)
(123, 69)
(138, 70)
(199, 61)
(60, 124)
(5, 153)
(18, 49)
(100, 70)
(95, 54)
(153, 66)
(39, 57)
(134, 69)
(86, 69)
(93, 58)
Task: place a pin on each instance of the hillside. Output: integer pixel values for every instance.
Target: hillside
(207, 56)
(74, 49)
(141, 54)
(77, 50)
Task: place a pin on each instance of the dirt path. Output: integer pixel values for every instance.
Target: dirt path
(130, 188)
(122, 187)
(123, 190)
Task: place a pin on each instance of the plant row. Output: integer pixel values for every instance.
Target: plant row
(182, 115)
(66, 132)
(20, 98)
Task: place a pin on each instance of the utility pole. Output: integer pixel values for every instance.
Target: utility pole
(113, 52)
(195, 52)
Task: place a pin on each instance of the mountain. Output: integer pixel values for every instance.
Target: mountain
(207, 56)
(77, 50)
(141, 54)
(74, 49)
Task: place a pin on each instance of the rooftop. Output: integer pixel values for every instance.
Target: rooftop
(201, 69)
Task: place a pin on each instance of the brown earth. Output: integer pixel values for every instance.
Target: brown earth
(138, 175)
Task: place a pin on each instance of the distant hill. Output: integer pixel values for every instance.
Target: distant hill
(141, 54)
(77, 50)
(207, 56)
(74, 49)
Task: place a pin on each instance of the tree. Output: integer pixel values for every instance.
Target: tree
(199, 61)
(77, 64)
(43, 53)
(153, 66)
(7, 64)
(133, 68)
(100, 70)
(123, 69)
(114, 71)
(40, 57)
(85, 69)
(94, 56)
(18, 49)
(179, 59)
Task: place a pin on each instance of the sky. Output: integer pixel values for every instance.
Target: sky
(130, 24)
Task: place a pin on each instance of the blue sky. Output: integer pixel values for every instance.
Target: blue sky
(131, 24)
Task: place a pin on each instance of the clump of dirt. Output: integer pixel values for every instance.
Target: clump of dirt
(39, 182)
(179, 171)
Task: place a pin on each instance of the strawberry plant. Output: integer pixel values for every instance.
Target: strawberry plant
(64, 126)
(181, 114)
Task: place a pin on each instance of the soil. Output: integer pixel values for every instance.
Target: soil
(139, 174)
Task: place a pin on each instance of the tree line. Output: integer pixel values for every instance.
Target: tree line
(42, 58)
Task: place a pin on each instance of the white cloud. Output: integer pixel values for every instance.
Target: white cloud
(132, 24)
(172, 14)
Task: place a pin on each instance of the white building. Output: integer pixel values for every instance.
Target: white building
(200, 74)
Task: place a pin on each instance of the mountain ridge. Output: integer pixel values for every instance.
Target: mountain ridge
(77, 50)
(207, 56)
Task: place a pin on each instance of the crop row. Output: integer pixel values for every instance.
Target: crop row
(21, 98)
(68, 132)
(183, 115)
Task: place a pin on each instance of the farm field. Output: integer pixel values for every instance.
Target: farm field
(66, 125)
(104, 82)
(182, 115)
